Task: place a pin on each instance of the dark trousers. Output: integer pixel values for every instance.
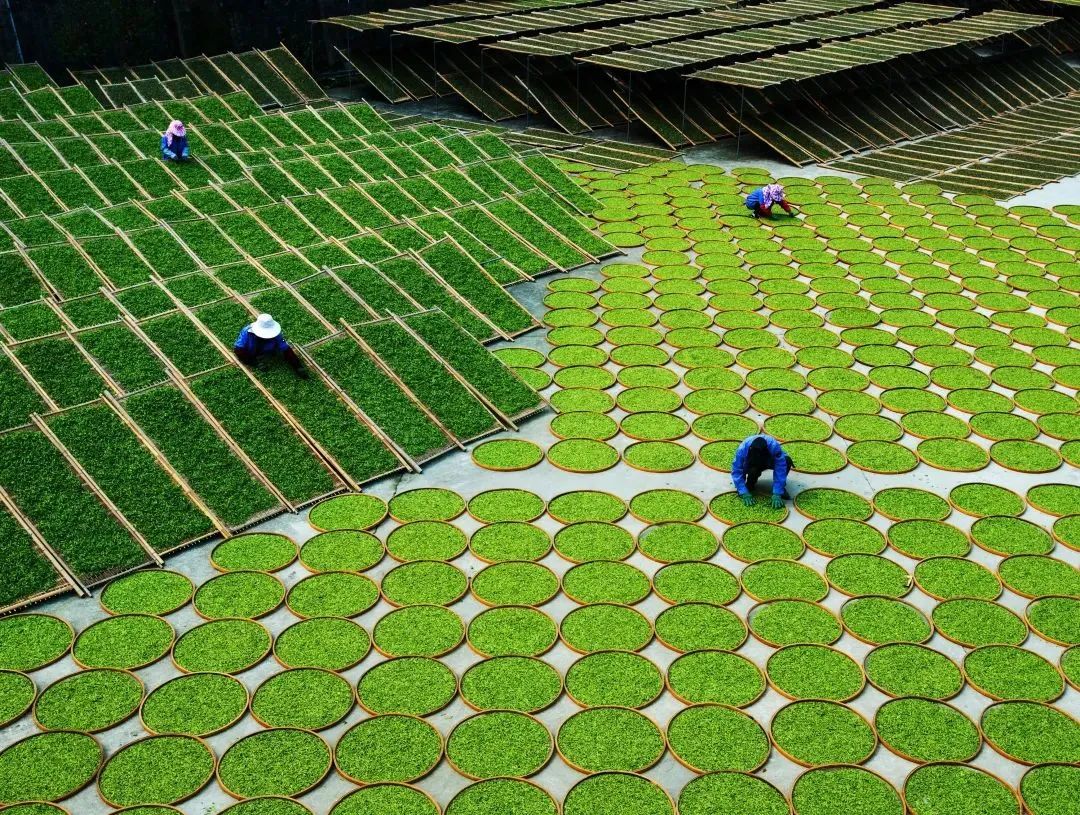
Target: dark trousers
(250, 359)
(753, 473)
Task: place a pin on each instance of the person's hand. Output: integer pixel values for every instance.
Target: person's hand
(748, 500)
(777, 502)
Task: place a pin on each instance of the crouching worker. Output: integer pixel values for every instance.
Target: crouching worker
(761, 201)
(262, 339)
(174, 144)
(755, 455)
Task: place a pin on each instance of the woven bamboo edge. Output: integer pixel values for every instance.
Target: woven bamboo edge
(314, 570)
(269, 646)
(994, 697)
(388, 655)
(728, 522)
(775, 686)
(739, 557)
(939, 598)
(565, 556)
(1027, 619)
(974, 538)
(653, 784)
(671, 601)
(907, 757)
(128, 715)
(760, 638)
(580, 703)
(371, 711)
(485, 655)
(390, 505)
(800, 762)
(687, 701)
(260, 615)
(802, 510)
(498, 523)
(938, 629)
(438, 760)
(234, 539)
(929, 624)
(185, 797)
(911, 583)
(555, 699)
(1074, 545)
(236, 807)
(489, 604)
(512, 469)
(168, 648)
(164, 613)
(580, 609)
(330, 760)
(569, 521)
(370, 526)
(682, 524)
(585, 602)
(322, 575)
(784, 561)
(62, 654)
(29, 705)
(736, 646)
(742, 713)
(268, 725)
(285, 665)
(659, 730)
(410, 526)
(828, 767)
(237, 718)
(434, 804)
(1040, 507)
(92, 777)
(651, 521)
(1060, 461)
(1013, 792)
(477, 518)
(457, 768)
(396, 604)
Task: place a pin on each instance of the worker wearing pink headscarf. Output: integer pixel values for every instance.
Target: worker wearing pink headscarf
(761, 200)
(174, 143)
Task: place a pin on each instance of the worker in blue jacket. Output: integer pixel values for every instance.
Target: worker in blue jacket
(755, 455)
(174, 143)
(761, 201)
(262, 339)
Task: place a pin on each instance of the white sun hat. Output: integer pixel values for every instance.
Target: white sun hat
(265, 327)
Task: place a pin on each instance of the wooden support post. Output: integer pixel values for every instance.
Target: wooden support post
(503, 419)
(386, 369)
(378, 432)
(284, 412)
(50, 554)
(454, 292)
(230, 442)
(40, 391)
(93, 486)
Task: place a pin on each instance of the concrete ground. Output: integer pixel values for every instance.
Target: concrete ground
(455, 471)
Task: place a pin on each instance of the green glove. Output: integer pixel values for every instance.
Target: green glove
(748, 500)
(777, 502)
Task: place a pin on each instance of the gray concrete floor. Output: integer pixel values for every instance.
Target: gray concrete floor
(455, 471)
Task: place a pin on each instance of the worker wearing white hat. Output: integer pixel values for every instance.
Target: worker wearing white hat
(262, 339)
